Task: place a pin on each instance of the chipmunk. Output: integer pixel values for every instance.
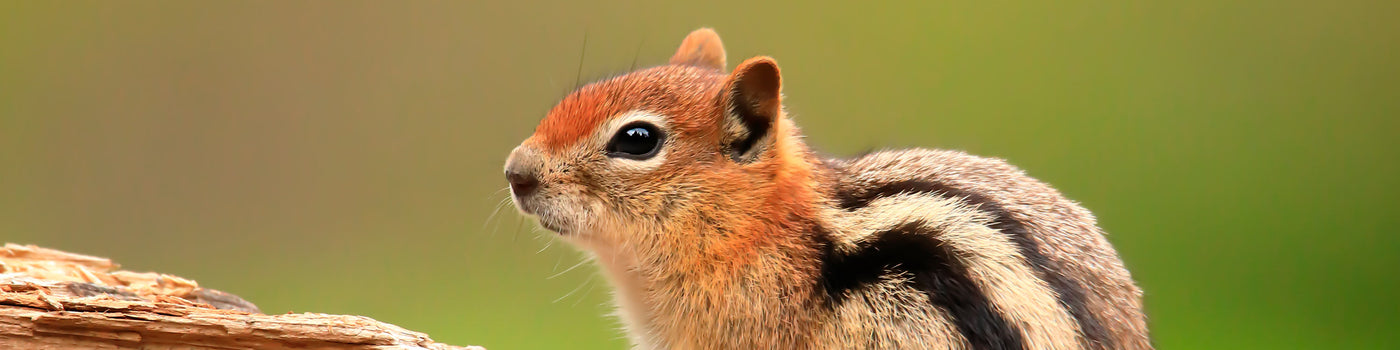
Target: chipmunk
(721, 229)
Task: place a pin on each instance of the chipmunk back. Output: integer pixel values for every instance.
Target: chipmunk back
(720, 229)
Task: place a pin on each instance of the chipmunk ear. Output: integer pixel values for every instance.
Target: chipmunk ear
(753, 99)
(701, 48)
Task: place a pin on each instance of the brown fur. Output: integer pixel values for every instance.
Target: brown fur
(734, 234)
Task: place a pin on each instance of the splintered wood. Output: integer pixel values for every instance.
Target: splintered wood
(57, 300)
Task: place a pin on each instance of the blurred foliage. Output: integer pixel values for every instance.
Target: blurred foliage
(345, 157)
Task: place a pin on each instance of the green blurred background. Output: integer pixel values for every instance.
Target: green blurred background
(344, 157)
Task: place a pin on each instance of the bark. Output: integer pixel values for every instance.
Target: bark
(51, 299)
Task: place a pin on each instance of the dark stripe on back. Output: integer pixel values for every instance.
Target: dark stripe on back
(936, 272)
(1071, 294)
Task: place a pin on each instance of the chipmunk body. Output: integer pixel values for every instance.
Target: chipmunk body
(721, 229)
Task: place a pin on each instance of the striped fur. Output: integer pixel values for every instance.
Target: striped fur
(737, 236)
(1058, 239)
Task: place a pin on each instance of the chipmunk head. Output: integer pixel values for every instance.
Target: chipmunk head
(628, 155)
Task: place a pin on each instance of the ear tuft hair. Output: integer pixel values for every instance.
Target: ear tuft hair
(701, 48)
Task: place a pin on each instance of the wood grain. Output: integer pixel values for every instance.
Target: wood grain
(51, 299)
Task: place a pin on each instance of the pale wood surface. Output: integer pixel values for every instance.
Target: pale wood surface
(51, 299)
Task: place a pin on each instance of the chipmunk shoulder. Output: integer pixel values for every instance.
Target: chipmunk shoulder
(720, 229)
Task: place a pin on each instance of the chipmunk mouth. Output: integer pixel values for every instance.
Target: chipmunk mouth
(548, 214)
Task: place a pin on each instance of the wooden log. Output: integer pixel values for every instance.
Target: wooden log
(51, 299)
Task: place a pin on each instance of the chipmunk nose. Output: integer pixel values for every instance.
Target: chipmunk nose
(522, 184)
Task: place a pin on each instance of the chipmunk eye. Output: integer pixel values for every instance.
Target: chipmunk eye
(635, 141)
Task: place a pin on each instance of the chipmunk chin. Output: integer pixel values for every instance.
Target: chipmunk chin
(550, 221)
(541, 215)
(550, 225)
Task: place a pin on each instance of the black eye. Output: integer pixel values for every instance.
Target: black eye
(635, 141)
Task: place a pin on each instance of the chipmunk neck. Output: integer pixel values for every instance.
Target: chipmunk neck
(737, 221)
(746, 240)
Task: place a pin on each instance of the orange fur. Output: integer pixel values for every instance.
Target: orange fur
(679, 92)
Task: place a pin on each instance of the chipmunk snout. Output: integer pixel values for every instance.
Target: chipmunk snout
(522, 171)
(522, 184)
